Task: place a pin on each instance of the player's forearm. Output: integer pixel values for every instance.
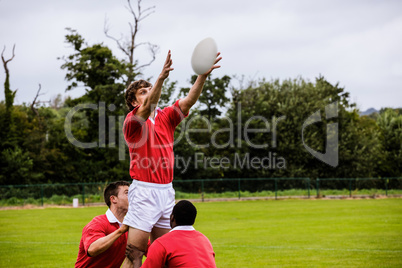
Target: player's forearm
(152, 100)
(104, 243)
(193, 95)
(155, 93)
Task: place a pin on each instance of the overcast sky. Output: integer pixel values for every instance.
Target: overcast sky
(355, 43)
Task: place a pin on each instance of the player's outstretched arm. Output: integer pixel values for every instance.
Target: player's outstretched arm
(187, 102)
(151, 101)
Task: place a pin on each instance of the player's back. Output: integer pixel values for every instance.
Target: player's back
(188, 249)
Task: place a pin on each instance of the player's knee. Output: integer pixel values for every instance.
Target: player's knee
(133, 253)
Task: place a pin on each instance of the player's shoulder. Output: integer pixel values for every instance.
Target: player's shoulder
(132, 112)
(98, 220)
(166, 238)
(198, 233)
(201, 235)
(180, 234)
(172, 106)
(102, 217)
(99, 224)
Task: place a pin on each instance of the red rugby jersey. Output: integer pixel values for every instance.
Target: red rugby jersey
(151, 144)
(179, 248)
(113, 257)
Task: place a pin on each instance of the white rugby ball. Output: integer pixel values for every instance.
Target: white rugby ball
(204, 56)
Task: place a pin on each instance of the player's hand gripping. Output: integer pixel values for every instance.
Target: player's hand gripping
(123, 228)
(214, 66)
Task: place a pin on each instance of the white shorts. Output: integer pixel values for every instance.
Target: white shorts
(150, 205)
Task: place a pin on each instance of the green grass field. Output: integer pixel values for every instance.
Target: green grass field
(286, 233)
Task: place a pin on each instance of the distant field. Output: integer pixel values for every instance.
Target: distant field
(285, 233)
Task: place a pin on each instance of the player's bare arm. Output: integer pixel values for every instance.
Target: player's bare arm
(104, 243)
(152, 99)
(187, 102)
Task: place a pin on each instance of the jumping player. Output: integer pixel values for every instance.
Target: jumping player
(149, 134)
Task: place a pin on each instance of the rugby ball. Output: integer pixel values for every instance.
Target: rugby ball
(204, 56)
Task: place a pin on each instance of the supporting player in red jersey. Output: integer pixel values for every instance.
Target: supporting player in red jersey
(104, 238)
(149, 134)
(183, 246)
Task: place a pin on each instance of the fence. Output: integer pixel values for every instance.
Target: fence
(353, 184)
(223, 187)
(60, 194)
(63, 194)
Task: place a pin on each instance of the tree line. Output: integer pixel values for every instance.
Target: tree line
(249, 129)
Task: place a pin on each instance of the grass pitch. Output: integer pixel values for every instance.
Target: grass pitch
(286, 233)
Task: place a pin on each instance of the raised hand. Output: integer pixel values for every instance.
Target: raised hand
(214, 66)
(167, 67)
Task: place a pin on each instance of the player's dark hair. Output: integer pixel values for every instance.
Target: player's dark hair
(184, 213)
(132, 90)
(113, 189)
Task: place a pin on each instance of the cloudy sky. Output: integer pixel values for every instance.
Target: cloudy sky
(357, 44)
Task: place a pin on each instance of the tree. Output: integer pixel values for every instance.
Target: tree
(36, 101)
(9, 97)
(102, 74)
(129, 45)
(205, 117)
(17, 167)
(389, 122)
(8, 93)
(57, 102)
(91, 65)
(105, 78)
(280, 109)
(213, 95)
(99, 71)
(167, 94)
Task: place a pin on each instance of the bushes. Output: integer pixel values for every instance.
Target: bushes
(59, 200)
